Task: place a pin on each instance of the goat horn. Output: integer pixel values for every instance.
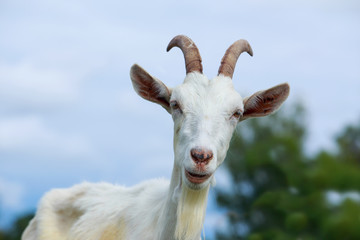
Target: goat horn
(190, 51)
(231, 56)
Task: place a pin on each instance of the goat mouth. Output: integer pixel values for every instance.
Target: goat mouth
(196, 178)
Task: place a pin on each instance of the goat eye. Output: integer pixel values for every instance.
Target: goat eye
(237, 114)
(174, 105)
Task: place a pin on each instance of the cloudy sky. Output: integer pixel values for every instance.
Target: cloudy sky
(68, 112)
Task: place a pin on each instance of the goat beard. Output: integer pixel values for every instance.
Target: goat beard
(191, 213)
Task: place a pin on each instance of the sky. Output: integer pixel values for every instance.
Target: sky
(68, 112)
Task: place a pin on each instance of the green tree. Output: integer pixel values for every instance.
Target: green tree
(349, 144)
(280, 193)
(16, 230)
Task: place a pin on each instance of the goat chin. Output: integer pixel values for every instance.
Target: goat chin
(191, 212)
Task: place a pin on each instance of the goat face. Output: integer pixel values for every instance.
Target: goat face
(205, 112)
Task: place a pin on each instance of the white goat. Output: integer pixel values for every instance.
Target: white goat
(205, 114)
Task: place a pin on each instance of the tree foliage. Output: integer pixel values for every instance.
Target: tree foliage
(19, 225)
(278, 192)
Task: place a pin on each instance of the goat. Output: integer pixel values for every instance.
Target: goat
(205, 114)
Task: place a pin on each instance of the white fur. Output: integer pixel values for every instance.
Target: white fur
(155, 209)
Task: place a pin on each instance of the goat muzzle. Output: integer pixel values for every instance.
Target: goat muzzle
(201, 156)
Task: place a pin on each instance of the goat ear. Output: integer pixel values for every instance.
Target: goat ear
(149, 87)
(265, 102)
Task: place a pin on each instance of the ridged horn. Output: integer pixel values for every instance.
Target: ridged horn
(231, 56)
(190, 51)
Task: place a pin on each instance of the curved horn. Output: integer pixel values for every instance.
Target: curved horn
(231, 56)
(190, 51)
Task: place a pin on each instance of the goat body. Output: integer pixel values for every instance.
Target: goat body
(205, 114)
(100, 211)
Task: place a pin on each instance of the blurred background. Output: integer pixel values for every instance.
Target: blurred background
(68, 112)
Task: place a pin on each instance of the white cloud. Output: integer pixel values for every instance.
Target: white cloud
(11, 195)
(30, 134)
(26, 85)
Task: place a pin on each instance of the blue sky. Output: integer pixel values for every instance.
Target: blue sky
(68, 112)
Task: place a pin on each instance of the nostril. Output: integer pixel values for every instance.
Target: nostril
(201, 155)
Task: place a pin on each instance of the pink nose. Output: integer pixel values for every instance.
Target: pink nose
(201, 155)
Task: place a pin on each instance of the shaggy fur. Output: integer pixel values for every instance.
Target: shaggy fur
(191, 212)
